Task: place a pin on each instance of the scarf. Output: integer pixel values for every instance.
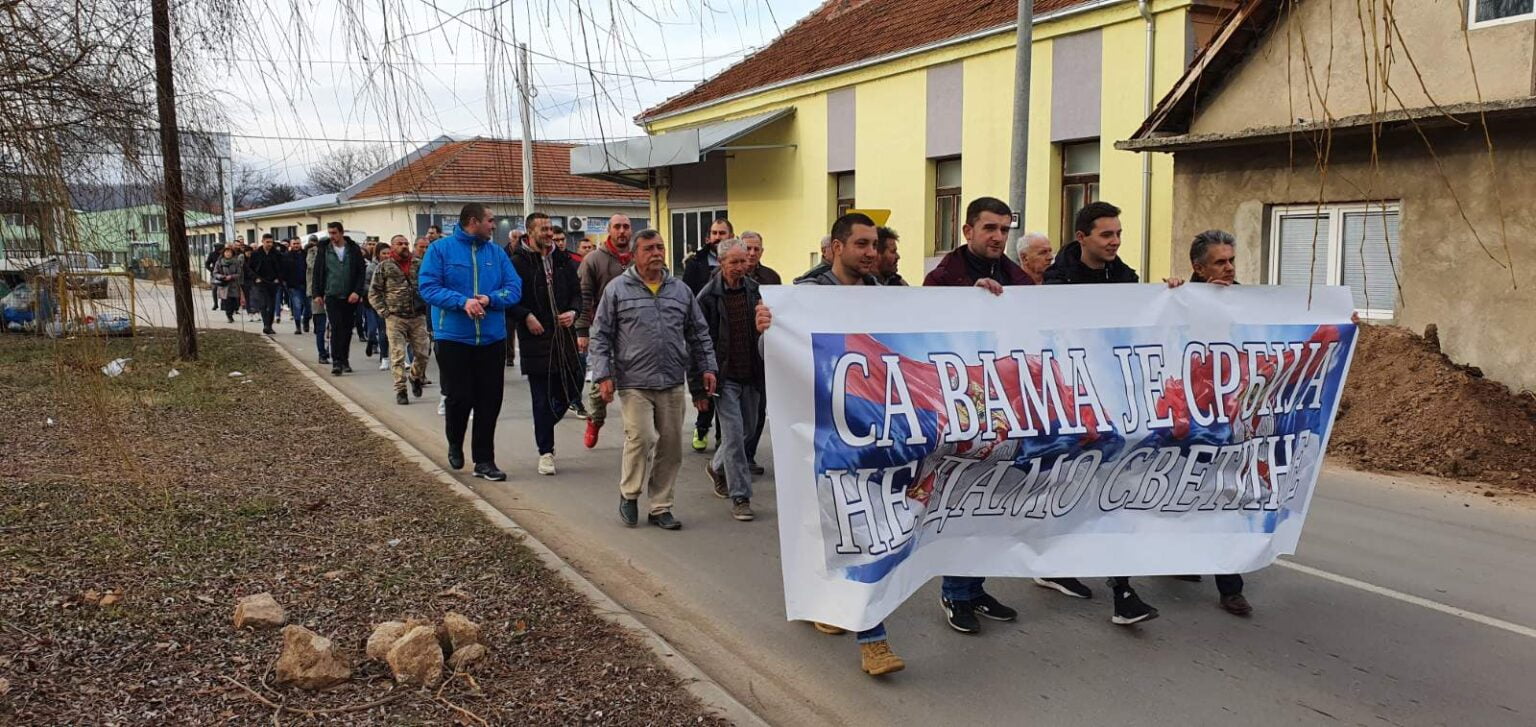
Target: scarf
(403, 259)
(622, 256)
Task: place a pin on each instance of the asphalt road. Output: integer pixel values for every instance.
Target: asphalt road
(1414, 604)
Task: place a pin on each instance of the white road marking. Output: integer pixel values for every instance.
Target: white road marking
(1461, 613)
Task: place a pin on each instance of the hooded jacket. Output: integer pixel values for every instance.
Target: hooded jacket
(545, 297)
(649, 341)
(458, 267)
(961, 267)
(1068, 269)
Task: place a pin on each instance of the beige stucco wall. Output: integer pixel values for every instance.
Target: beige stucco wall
(1313, 65)
(1485, 317)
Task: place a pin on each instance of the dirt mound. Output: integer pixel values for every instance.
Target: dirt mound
(1409, 408)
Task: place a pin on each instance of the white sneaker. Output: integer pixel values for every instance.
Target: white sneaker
(442, 405)
(547, 464)
(383, 364)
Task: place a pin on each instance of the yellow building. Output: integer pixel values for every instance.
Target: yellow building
(907, 105)
(430, 185)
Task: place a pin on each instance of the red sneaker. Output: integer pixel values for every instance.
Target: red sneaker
(592, 427)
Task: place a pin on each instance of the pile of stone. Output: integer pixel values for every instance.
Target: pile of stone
(416, 651)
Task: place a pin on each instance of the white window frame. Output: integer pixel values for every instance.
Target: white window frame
(1474, 23)
(1335, 241)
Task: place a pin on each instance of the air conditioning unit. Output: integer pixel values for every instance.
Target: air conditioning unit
(575, 224)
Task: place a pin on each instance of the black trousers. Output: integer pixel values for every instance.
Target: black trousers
(340, 313)
(550, 402)
(266, 294)
(1229, 584)
(472, 378)
(756, 434)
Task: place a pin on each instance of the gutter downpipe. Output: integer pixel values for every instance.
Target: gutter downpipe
(1143, 7)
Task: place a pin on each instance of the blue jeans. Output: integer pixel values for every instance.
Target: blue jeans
(870, 635)
(375, 327)
(298, 305)
(961, 588)
(320, 340)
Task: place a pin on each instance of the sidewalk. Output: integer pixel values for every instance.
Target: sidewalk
(1314, 645)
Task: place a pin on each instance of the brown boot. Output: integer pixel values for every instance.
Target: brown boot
(828, 629)
(878, 658)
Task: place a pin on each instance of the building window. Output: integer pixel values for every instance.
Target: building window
(690, 228)
(1355, 245)
(152, 224)
(1496, 12)
(1079, 181)
(845, 194)
(946, 205)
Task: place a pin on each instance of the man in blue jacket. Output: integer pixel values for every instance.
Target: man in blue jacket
(470, 285)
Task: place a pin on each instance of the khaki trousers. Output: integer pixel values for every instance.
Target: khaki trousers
(653, 443)
(413, 332)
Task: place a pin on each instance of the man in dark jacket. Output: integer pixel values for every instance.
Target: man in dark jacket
(515, 240)
(821, 267)
(729, 302)
(764, 275)
(295, 279)
(987, 220)
(1094, 257)
(544, 319)
(266, 271)
(337, 285)
(980, 262)
(697, 271)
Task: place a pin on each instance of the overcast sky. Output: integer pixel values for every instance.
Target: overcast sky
(422, 68)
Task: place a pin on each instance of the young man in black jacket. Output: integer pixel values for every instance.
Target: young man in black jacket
(295, 279)
(543, 320)
(266, 270)
(337, 284)
(1094, 257)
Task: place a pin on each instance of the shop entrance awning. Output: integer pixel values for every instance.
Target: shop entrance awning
(628, 161)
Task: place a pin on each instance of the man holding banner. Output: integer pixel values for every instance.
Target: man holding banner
(853, 258)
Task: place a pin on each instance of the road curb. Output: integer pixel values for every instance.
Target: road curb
(697, 683)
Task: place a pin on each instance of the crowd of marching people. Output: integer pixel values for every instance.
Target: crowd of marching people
(608, 322)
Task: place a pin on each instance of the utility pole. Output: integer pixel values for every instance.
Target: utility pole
(1018, 160)
(175, 194)
(525, 110)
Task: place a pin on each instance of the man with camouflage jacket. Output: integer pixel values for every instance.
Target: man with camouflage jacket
(394, 295)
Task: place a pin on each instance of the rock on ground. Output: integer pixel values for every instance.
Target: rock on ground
(309, 660)
(457, 632)
(386, 634)
(466, 655)
(259, 611)
(416, 657)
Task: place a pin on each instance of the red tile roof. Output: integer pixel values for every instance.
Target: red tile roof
(494, 167)
(841, 32)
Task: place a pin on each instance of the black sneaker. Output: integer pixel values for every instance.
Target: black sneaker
(268, 332)
(664, 520)
(456, 459)
(629, 511)
(335, 370)
(297, 332)
(988, 606)
(401, 398)
(324, 359)
(346, 367)
(416, 388)
(488, 471)
(1067, 586)
(722, 489)
(1129, 608)
(961, 615)
(756, 468)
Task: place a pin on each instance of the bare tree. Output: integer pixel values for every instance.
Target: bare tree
(342, 166)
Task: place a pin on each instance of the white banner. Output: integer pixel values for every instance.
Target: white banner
(1099, 430)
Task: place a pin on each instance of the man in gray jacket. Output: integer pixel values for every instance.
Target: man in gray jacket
(647, 337)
